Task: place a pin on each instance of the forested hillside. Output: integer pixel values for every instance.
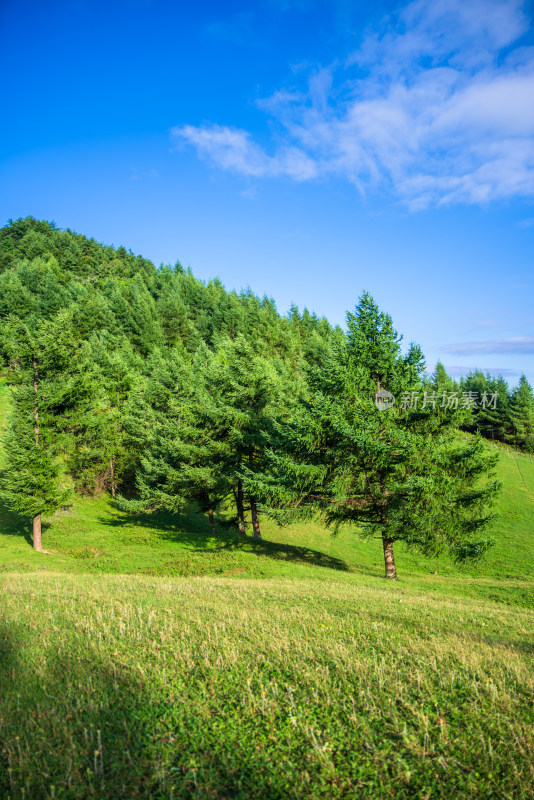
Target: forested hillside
(114, 338)
(167, 392)
(194, 631)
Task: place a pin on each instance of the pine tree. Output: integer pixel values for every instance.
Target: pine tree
(245, 387)
(399, 473)
(31, 480)
(171, 422)
(207, 429)
(37, 352)
(522, 415)
(441, 381)
(100, 390)
(493, 417)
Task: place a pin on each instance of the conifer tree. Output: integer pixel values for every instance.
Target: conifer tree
(245, 388)
(491, 414)
(100, 389)
(206, 431)
(522, 415)
(210, 395)
(172, 423)
(397, 472)
(31, 479)
(495, 417)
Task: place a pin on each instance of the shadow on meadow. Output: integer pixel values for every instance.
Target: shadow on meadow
(12, 524)
(192, 531)
(69, 724)
(74, 725)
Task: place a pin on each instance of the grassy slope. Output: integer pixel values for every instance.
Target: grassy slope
(125, 686)
(281, 669)
(95, 537)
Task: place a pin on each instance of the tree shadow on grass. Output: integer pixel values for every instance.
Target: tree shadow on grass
(12, 524)
(192, 531)
(77, 724)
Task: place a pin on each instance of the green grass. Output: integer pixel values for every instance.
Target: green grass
(143, 657)
(127, 686)
(94, 536)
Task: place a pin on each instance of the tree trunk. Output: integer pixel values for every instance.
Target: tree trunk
(212, 523)
(389, 559)
(240, 502)
(112, 476)
(255, 521)
(37, 533)
(253, 508)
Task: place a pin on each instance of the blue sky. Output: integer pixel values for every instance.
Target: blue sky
(309, 150)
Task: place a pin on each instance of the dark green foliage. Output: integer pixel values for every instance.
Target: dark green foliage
(116, 315)
(501, 414)
(398, 472)
(208, 419)
(522, 414)
(30, 482)
(168, 391)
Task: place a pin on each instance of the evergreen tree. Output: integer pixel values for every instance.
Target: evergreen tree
(522, 415)
(151, 381)
(94, 398)
(31, 479)
(494, 415)
(491, 414)
(245, 387)
(171, 423)
(399, 472)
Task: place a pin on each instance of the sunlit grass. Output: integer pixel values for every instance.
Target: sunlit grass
(123, 686)
(143, 657)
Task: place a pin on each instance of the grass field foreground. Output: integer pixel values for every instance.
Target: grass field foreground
(142, 657)
(123, 686)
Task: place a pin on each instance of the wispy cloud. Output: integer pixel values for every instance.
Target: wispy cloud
(515, 346)
(458, 372)
(233, 149)
(137, 175)
(435, 105)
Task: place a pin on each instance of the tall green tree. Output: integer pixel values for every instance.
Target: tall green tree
(246, 388)
(491, 412)
(172, 422)
(31, 482)
(398, 473)
(522, 415)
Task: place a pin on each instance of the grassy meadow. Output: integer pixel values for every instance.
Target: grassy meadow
(142, 657)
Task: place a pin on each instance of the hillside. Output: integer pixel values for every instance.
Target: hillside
(290, 671)
(143, 655)
(94, 536)
(124, 686)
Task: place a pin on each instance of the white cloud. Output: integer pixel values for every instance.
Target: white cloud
(437, 105)
(497, 372)
(233, 149)
(230, 148)
(515, 345)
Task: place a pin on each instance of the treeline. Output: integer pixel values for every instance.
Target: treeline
(505, 415)
(125, 365)
(164, 391)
